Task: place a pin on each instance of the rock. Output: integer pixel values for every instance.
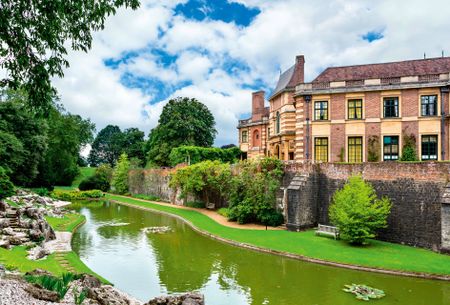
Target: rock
(36, 235)
(4, 243)
(41, 294)
(33, 213)
(157, 230)
(89, 281)
(4, 223)
(37, 252)
(8, 231)
(2, 271)
(107, 295)
(38, 272)
(182, 299)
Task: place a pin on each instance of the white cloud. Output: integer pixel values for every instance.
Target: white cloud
(326, 32)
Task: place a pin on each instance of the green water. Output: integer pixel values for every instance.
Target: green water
(147, 265)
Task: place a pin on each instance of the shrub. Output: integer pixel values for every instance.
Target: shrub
(120, 175)
(6, 186)
(76, 195)
(223, 211)
(195, 204)
(409, 152)
(59, 285)
(357, 211)
(271, 217)
(101, 180)
(41, 191)
(196, 154)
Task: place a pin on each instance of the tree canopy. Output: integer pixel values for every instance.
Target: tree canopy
(35, 35)
(111, 142)
(183, 121)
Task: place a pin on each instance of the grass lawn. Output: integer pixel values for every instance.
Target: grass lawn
(378, 254)
(66, 224)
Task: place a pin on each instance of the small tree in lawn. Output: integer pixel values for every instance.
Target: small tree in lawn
(120, 176)
(357, 211)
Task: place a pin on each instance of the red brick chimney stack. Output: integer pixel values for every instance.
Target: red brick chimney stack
(257, 105)
(299, 71)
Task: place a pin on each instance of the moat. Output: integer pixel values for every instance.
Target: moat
(113, 243)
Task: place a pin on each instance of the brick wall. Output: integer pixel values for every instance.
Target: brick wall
(416, 191)
(337, 109)
(373, 105)
(410, 103)
(337, 142)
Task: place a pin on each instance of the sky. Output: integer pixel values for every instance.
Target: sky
(221, 51)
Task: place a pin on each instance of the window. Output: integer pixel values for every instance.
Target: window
(355, 149)
(429, 148)
(256, 141)
(244, 136)
(321, 111)
(321, 149)
(390, 148)
(355, 109)
(390, 106)
(277, 127)
(268, 132)
(428, 105)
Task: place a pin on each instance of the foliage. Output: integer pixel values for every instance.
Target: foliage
(409, 152)
(41, 191)
(195, 204)
(271, 217)
(224, 212)
(364, 292)
(341, 155)
(205, 180)
(79, 296)
(6, 186)
(373, 149)
(66, 135)
(196, 154)
(183, 121)
(147, 197)
(76, 195)
(357, 211)
(119, 181)
(22, 138)
(49, 282)
(101, 180)
(226, 146)
(35, 36)
(111, 142)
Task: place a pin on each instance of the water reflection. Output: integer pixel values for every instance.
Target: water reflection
(146, 265)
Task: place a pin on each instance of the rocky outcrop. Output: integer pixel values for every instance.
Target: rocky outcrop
(182, 299)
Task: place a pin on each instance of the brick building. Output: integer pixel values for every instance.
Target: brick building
(253, 131)
(364, 113)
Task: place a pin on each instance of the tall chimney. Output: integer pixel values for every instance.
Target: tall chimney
(257, 105)
(299, 71)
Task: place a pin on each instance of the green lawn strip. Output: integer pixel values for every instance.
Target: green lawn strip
(66, 224)
(378, 254)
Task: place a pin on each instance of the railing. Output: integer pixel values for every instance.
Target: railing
(325, 85)
(429, 78)
(354, 83)
(390, 80)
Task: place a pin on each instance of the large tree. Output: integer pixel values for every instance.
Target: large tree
(66, 136)
(183, 121)
(35, 35)
(107, 146)
(23, 139)
(133, 144)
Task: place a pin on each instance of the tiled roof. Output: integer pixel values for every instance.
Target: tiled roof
(284, 80)
(386, 70)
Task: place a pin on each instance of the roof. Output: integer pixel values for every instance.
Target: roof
(284, 80)
(386, 70)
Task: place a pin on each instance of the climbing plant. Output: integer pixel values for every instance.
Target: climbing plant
(409, 152)
(373, 149)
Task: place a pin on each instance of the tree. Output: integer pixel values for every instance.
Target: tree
(66, 136)
(6, 186)
(133, 144)
(183, 121)
(35, 35)
(23, 139)
(120, 176)
(107, 146)
(357, 211)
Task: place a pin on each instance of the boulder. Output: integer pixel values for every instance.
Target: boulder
(89, 281)
(41, 294)
(8, 231)
(38, 272)
(2, 271)
(182, 299)
(37, 252)
(33, 213)
(107, 295)
(4, 243)
(4, 223)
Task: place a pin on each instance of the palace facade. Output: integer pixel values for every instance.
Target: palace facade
(354, 114)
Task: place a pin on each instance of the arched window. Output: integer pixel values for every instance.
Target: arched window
(244, 137)
(278, 123)
(256, 139)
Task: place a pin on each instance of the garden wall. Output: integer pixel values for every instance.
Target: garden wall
(420, 214)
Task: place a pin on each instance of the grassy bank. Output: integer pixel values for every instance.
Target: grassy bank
(66, 224)
(376, 255)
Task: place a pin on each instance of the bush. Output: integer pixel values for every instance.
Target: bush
(272, 217)
(6, 186)
(120, 175)
(76, 195)
(409, 152)
(224, 212)
(195, 154)
(357, 211)
(58, 285)
(195, 204)
(101, 180)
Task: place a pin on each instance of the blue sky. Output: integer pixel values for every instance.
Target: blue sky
(220, 51)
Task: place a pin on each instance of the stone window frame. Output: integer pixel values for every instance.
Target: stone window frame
(244, 136)
(328, 148)
(436, 105)
(438, 146)
(383, 106)
(327, 110)
(347, 107)
(398, 147)
(363, 146)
